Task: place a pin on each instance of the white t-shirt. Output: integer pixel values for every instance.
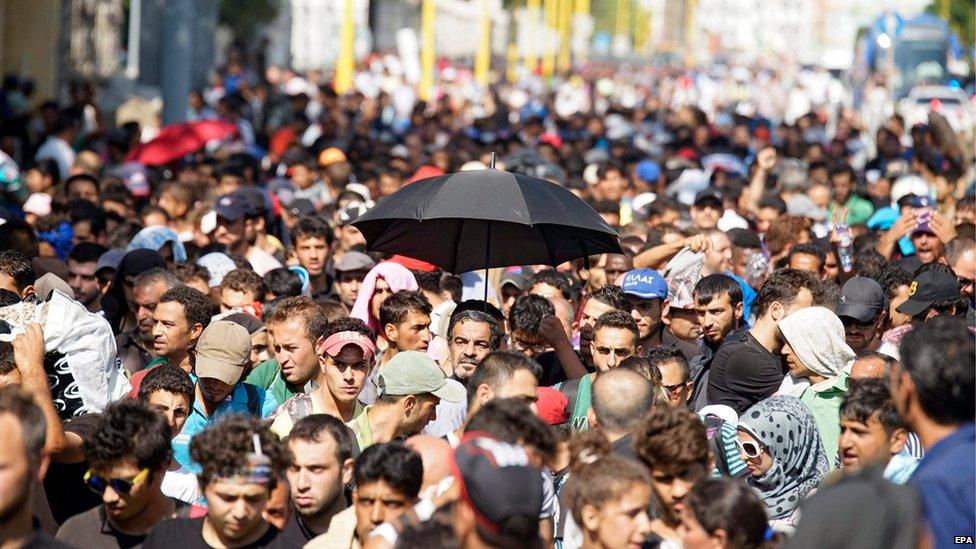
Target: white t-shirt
(182, 485)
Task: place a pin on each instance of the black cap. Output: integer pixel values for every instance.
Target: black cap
(300, 207)
(232, 207)
(928, 288)
(520, 281)
(497, 481)
(861, 299)
(709, 195)
(744, 238)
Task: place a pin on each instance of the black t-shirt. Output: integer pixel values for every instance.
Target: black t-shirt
(743, 372)
(295, 532)
(41, 540)
(188, 534)
(552, 369)
(688, 348)
(65, 482)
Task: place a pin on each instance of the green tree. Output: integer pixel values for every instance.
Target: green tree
(962, 18)
(245, 17)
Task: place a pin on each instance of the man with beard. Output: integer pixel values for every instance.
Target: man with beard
(718, 308)
(322, 458)
(861, 307)
(24, 464)
(238, 224)
(647, 293)
(606, 299)
(128, 454)
(502, 374)
(82, 264)
(135, 347)
(471, 336)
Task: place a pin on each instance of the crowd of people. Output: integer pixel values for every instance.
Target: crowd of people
(205, 353)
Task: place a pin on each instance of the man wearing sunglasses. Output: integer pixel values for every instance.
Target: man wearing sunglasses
(128, 454)
(960, 255)
(861, 307)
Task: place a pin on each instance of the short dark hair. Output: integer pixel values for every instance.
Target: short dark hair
(428, 533)
(18, 267)
(303, 308)
(552, 277)
(312, 227)
(7, 362)
(222, 449)
(892, 278)
(244, 280)
(772, 200)
(48, 167)
(808, 249)
(671, 438)
(868, 397)
(494, 340)
(393, 463)
(129, 429)
(611, 295)
(511, 420)
(668, 354)
(500, 366)
(348, 324)
(33, 429)
(723, 503)
(157, 274)
(169, 378)
(712, 286)
(783, 286)
(310, 428)
(283, 282)
(481, 305)
(398, 306)
(189, 270)
(87, 252)
(197, 308)
(527, 313)
(83, 210)
(939, 355)
(869, 263)
(619, 320)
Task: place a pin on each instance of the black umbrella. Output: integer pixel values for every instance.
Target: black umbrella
(486, 218)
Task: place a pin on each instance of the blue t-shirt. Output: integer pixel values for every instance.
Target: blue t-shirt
(198, 420)
(946, 483)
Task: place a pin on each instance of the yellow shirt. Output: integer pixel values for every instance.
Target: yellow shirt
(360, 426)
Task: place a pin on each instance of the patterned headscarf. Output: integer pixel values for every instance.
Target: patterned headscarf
(786, 428)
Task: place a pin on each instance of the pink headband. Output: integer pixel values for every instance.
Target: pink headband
(335, 342)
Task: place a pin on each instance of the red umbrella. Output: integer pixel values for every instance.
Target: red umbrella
(178, 140)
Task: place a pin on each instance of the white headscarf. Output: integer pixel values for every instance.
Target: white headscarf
(817, 337)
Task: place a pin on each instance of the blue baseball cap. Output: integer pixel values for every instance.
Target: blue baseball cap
(645, 284)
(232, 207)
(648, 171)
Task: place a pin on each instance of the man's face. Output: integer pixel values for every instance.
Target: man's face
(928, 247)
(684, 324)
(315, 476)
(528, 343)
(234, 508)
(718, 259)
(647, 313)
(81, 278)
(381, 291)
(675, 383)
(806, 262)
(121, 508)
(146, 297)
(470, 343)
(616, 265)
(843, 186)
(706, 215)
(16, 472)
(229, 233)
(860, 335)
(230, 299)
(420, 415)
(611, 346)
(171, 333)
(898, 319)
(312, 252)
(830, 268)
(84, 190)
(591, 311)
(175, 407)
(376, 503)
(214, 391)
(965, 271)
(612, 186)
(509, 294)
(671, 485)
(295, 352)
(347, 286)
(717, 317)
(345, 373)
(277, 511)
(413, 334)
(259, 348)
(863, 444)
(350, 236)
(740, 260)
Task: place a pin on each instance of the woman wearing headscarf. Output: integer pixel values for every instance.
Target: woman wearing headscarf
(381, 282)
(779, 441)
(118, 304)
(160, 239)
(817, 355)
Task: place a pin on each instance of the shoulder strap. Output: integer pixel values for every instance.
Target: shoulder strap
(253, 400)
(571, 390)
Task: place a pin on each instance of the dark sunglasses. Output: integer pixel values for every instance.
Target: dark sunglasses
(99, 484)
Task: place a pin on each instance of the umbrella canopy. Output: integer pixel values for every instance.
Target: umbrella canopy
(486, 218)
(178, 140)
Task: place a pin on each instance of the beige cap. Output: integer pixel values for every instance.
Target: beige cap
(222, 352)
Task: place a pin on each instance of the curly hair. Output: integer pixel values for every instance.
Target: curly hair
(222, 449)
(671, 438)
(393, 463)
(129, 429)
(197, 308)
(245, 280)
(722, 503)
(169, 378)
